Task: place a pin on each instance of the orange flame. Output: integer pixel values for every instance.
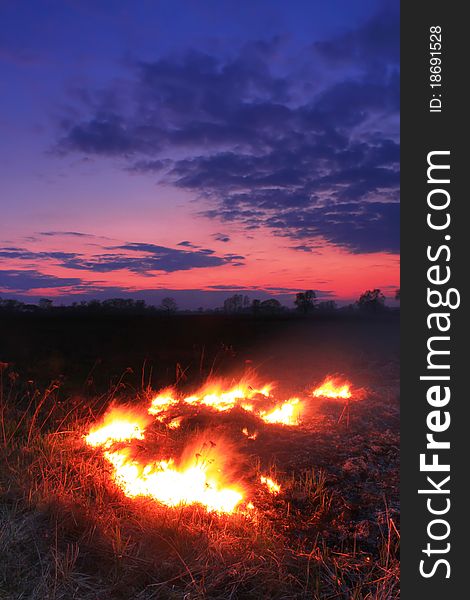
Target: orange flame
(272, 486)
(175, 423)
(216, 396)
(332, 388)
(163, 481)
(119, 425)
(194, 479)
(162, 402)
(250, 436)
(285, 414)
(197, 480)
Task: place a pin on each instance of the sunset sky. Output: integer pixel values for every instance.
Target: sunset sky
(195, 149)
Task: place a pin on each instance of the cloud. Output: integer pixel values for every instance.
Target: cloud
(24, 254)
(141, 258)
(26, 280)
(373, 44)
(302, 248)
(270, 289)
(65, 233)
(265, 145)
(187, 244)
(221, 237)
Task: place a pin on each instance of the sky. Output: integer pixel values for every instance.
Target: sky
(198, 148)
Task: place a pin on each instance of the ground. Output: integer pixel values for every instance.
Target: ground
(67, 531)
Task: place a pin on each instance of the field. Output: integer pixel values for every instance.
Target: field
(67, 530)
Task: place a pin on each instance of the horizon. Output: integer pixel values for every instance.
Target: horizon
(287, 302)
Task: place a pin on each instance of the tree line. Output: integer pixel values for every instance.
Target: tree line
(371, 301)
(305, 303)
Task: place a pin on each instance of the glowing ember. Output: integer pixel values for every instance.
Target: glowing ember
(194, 483)
(286, 414)
(250, 436)
(119, 425)
(272, 486)
(175, 423)
(332, 388)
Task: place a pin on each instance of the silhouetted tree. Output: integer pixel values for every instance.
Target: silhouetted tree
(45, 304)
(169, 305)
(236, 303)
(270, 306)
(372, 301)
(327, 305)
(93, 306)
(305, 301)
(255, 306)
(9, 305)
(397, 294)
(118, 304)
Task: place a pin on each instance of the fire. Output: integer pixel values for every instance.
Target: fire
(332, 388)
(250, 436)
(196, 480)
(119, 425)
(175, 423)
(162, 402)
(216, 396)
(285, 414)
(194, 476)
(194, 483)
(272, 486)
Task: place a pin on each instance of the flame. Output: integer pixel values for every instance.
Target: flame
(250, 436)
(196, 480)
(214, 396)
(272, 486)
(332, 388)
(285, 414)
(195, 477)
(175, 423)
(119, 425)
(194, 483)
(217, 396)
(162, 402)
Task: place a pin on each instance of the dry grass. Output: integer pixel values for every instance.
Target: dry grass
(67, 532)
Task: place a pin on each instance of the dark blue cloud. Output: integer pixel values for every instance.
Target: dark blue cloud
(105, 134)
(66, 233)
(137, 257)
(270, 290)
(221, 237)
(23, 254)
(310, 154)
(26, 280)
(187, 244)
(302, 248)
(373, 44)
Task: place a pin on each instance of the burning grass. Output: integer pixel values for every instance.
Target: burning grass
(220, 493)
(200, 476)
(222, 397)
